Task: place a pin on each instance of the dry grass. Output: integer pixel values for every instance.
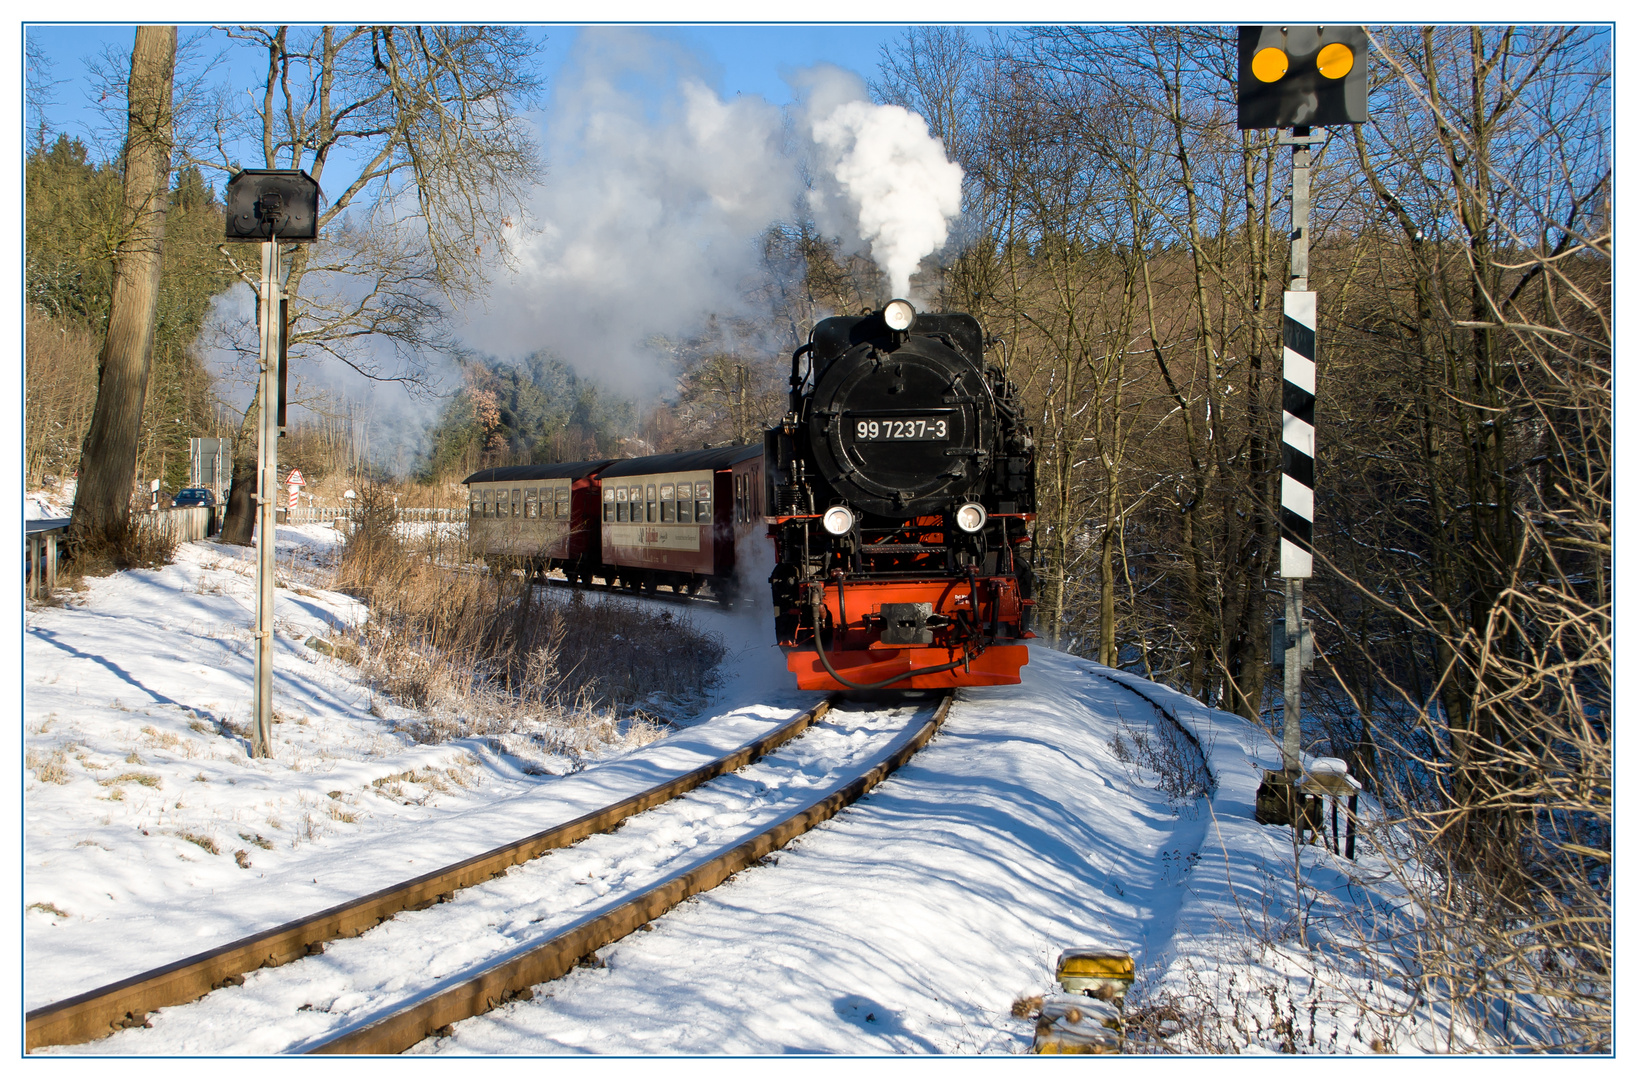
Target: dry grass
(49, 768)
(49, 909)
(1167, 751)
(206, 842)
(491, 654)
(134, 544)
(145, 779)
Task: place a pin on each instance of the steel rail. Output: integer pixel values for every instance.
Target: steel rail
(499, 980)
(102, 1011)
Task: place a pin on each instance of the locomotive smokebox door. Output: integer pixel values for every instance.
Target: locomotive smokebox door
(906, 624)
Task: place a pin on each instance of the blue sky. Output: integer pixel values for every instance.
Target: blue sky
(747, 59)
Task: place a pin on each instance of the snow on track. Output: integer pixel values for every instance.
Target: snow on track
(906, 925)
(280, 1008)
(910, 923)
(127, 686)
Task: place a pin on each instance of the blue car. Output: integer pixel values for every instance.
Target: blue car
(194, 497)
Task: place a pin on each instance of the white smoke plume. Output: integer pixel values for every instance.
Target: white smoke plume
(658, 192)
(879, 175)
(656, 195)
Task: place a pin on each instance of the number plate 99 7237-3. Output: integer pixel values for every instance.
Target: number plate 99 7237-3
(901, 429)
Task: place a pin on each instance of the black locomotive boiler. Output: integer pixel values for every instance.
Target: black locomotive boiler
(901, 485)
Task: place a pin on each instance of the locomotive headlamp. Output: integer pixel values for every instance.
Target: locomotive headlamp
(971, 517)
(899, 314)
(838, 521)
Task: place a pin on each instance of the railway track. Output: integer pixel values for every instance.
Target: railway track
(390, 1018)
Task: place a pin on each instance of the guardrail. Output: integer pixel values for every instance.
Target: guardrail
(43, 537)
(182, 523)
(40, 541)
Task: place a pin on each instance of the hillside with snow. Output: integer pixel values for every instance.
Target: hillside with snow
(1040, 818)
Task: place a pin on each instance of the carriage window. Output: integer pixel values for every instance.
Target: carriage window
(622, 506)
(635, 497)
(488, 503)
(684, 503)
(500, 502)
(667, 503)
(702, 510)
(531, 506)
(517, 502)
(608, 504)
(653, 508)
(563, 495)
(477, 505)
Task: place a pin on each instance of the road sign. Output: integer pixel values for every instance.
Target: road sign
(295, 479)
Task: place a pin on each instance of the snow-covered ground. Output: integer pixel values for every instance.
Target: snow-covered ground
(46, 504)
(908, 925)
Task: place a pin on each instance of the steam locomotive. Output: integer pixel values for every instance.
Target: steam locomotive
(900, 488)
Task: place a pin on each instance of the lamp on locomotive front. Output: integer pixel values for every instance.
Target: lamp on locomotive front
(971, 517)
(899, 315)
(838, 521)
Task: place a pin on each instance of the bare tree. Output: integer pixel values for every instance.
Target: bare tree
(108, 458)
(432, 117)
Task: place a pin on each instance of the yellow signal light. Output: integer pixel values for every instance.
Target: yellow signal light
(1335, 60)
(1270, 65)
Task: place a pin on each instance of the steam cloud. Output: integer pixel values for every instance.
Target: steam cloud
(657, 196)
(658, 193)
(880, 175)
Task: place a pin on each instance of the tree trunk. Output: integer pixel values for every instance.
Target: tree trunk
(239, 522)
(108, 457)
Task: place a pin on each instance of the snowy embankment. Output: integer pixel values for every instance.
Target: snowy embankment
(909, 924)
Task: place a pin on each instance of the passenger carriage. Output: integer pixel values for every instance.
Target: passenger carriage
(543, 515)
(668, 520)
(675, 519)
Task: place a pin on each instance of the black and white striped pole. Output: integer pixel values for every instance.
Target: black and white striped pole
(1298, 77)
(1297, 453)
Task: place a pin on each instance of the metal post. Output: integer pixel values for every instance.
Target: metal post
(261, 736)
(1292, 750)
(1301, 164)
